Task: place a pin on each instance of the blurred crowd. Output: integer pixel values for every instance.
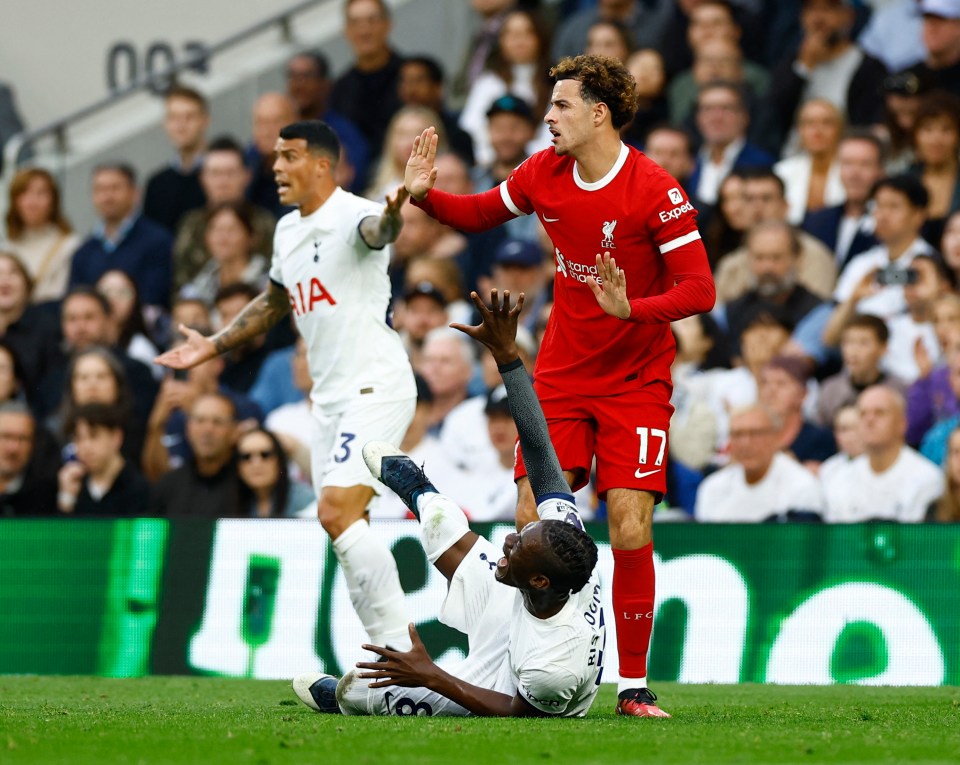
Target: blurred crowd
(818, 139)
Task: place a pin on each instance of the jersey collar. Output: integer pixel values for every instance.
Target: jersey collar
(608, 178)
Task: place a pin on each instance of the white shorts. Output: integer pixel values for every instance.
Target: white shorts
(480, 607)
(336, 457)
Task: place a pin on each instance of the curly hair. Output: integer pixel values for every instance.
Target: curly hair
(574, 556)
(602, 80)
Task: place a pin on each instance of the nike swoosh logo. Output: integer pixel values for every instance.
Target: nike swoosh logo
(549, 220)
(638, 474)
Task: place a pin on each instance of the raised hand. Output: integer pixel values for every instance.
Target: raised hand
(498, 325)
(612, 294)
(409, 669)
(195, 350)
(420, 174)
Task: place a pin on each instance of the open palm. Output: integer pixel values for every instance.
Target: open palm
(195, 350)
(420, 173)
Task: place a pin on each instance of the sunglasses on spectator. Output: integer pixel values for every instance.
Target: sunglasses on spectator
(247, 456)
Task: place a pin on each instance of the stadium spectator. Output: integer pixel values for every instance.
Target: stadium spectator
(423, 237)
(421, 84)
(191, 313)
(519, 266)
(96, 376)
(827, 65)
(762, 483)
(423, 309)
(936, 145)
(671, 148)
(224, 177)
(913, 339)
(773, 249)
(39, 233)
(847, 228)
(607, 37)
(123, 238)
(941, 36)
(242, 364)
(28, 464)
(274, 387)
(309, 86)
(863, 344)
(650, 81)
(271, 111)
(893, 34)
(901, 98)
(889, 481)
(229, 238)
(292, 423)
(764, 194)
(11, 374)
(266, 489)
(950, 247)
(493, 488)
(127, 330)
(873, 282)
(783, 389)
(519, 66)
(716, 60)
(405, 125)
(174, 190)
(947, 508)
(446, 276)
(85, 323)
(366, 94)
(725, 224)
(447, 365)
(645, 21)
(488, 18)
(931, 398)
(722, 119)
(29, 330)
(846, 432)
(98, 479)
(812, 175)
(206, 485)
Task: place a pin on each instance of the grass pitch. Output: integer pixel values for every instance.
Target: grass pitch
(205, 721)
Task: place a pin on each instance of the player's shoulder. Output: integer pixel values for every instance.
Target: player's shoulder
(350, 202)
(652, 174)
(289, 221)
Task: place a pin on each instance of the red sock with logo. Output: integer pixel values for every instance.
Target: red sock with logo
(634, 585)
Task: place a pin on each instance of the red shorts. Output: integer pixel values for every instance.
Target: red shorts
(627, 433)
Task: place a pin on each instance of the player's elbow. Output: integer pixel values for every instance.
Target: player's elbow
(705, 294)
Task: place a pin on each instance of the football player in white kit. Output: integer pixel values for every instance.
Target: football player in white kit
(534, 651)
(329, 268)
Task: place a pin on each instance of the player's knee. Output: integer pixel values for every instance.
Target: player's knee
(333, 515)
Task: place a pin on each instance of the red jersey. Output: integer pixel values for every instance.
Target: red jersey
(641, 216)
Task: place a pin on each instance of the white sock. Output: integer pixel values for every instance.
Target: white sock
(374, 585)
(630, 683)
(442, 524)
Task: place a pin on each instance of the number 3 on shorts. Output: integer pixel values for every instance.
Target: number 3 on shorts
(645, 435)
(344, 454)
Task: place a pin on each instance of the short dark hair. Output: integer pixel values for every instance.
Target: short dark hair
(761, 174)
(318, 58)
(384, 8)
(96, 415)
(866, 136)
(124, 168)
(869, 322)
(669, 127)
(908, 185)
(729, 85)
(86, 290)
(226, 143)
(602, 80)
(430, 64)
(574, 556)
(237, 288)
(242, 211)
(187, 94)
(318, 135)
(937, 103)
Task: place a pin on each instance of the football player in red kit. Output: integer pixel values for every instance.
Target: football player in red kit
(629, 261)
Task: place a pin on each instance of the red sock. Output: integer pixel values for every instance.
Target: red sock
(634, 586)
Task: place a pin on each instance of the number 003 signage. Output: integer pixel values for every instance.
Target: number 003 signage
(874, 604)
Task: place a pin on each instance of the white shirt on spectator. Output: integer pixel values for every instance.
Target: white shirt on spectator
(901, 493)
(888, 301)
(795, 172)
(899, 360)
(713, 173)
(726, 497)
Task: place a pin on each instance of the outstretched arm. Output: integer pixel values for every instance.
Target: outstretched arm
(379, 231)
(259, 315)
(498, 331)
(415, 669)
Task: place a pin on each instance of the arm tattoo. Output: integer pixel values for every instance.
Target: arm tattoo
(379, 231)
(261, 313)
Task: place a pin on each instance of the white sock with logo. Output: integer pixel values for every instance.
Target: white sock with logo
(374, 585)
(630, 683)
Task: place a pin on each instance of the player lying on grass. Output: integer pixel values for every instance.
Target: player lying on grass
(535, 650)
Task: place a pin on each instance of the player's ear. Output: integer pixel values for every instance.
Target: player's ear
(600, 112)
(540, 582)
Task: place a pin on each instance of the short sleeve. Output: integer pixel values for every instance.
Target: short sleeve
(548, 689)
(672, 220)
(276, 275)
(517, 190)
(364, 209)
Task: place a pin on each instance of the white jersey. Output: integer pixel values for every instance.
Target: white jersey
(557, 663)
(339, 292)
